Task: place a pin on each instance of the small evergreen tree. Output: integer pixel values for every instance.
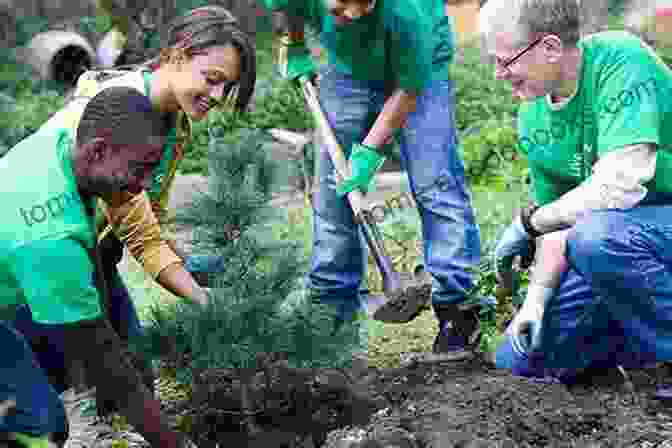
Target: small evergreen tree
(258, 306)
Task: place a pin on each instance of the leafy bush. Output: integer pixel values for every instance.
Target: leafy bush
(27, 27)
(278, 104)
(479, 98)
(94, 25)
(491, 158)
(17, 78)
(31, 106)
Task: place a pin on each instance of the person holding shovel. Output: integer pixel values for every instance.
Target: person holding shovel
(594, 127)
(205, 60)
(388, 74)
(49, 186)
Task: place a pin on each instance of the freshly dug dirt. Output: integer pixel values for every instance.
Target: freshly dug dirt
(439, 405)
(446, 405)
(292, 408)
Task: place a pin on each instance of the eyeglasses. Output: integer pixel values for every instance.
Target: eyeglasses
(504, 66)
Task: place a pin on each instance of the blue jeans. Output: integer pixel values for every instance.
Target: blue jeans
(614, 306)
(39, 410)
(37, 375)
(429, 151)
(47, 340)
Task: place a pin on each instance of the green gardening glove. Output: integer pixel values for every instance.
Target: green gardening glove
(364, 162)
(294, 59)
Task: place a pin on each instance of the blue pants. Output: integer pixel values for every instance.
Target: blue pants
(48, 341)
(429, 151)
(37, 375)
(614, 306)
(39, 410)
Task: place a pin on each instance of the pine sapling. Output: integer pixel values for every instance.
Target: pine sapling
(257, 307)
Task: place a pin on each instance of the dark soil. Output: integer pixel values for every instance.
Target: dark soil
(440, 405)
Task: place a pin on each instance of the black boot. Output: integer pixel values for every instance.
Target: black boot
(459, 332)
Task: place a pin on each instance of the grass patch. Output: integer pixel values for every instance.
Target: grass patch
(388, 341)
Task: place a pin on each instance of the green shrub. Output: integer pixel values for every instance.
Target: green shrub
(479, 98)
(27, 27)
(491, 158)
(92, 25)
(29, 112)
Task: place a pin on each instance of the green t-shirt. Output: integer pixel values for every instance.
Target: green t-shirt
(411, 39)
(624, 97)
(46, 233)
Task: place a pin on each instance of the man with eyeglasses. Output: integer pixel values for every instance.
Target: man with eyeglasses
(595, 125)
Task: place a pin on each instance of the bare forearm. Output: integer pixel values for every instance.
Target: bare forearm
(110, 369)
(617, 182)
(393, 116)
(180, 282)
(550, 261)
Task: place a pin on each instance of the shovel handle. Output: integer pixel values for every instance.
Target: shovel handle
(341, 166)
(392, 284)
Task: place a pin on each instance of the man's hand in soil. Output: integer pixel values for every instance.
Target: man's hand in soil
(294, 59)
(515, 242)
(364, 162)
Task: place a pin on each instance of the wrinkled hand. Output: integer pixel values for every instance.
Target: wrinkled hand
(295, 60)
(364, 162)
(514, 242)
(525, 328)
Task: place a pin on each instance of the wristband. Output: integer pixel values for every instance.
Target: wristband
(525, 218)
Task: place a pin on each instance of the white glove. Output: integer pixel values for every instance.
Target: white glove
(525, 328)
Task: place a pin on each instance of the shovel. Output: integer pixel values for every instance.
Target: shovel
(402, 300)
